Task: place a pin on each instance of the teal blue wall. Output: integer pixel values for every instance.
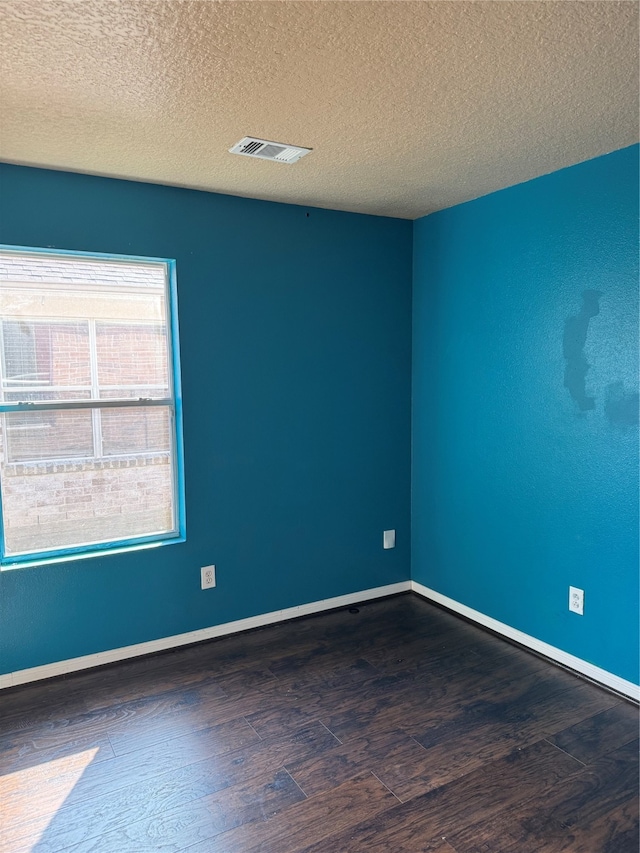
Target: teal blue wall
(522, 484)
(295, 329)
(296, 355)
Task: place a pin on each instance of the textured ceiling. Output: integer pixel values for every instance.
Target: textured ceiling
(409, 106)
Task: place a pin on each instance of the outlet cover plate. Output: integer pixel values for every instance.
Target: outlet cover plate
(389, 539)
(207, 577)
(576, 600)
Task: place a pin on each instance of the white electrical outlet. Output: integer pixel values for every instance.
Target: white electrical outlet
(389, 539)
(207, 577)
(576, 600)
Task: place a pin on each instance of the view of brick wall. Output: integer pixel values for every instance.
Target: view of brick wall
(85, 330)
(62, 350)
(86, 501)
(132, 355)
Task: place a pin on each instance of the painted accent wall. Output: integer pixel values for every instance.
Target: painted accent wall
(525, 407)
(295, 332)
(296, 342)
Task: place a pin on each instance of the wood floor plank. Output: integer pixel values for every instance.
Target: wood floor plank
(595, 798)
(329, 674)
(424, 657)
(381, 703)
(215, 761)
(489, 728)
(34, 749)
(184, 825)
(285, 717)
(240, 683)
(431, 699)
(141, 679)
(518, 702)
(341, 763)
(35, 705)
(316, 817)
(439, 640)
(135, 718)
(614, 832)
(202, 711)
(71, 781)
(599, 734)
(432, 817)
(163, 791)
(148, 676)
(184, 667)
(347, 842)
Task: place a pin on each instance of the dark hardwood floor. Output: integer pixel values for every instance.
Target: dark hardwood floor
(396, 729)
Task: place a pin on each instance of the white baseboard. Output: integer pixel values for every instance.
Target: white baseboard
(594, 673)
(37, 673)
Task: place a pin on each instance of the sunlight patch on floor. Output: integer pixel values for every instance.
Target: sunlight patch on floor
(54, 780)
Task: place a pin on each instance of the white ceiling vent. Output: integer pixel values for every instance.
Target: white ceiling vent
(252, 147)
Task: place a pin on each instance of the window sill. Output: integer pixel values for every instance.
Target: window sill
(105, 551)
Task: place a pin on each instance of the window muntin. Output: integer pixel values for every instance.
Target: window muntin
(90, 432)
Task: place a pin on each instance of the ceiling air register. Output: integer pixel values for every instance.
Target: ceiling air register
(265, 150)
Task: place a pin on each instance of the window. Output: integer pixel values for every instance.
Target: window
(90, 431)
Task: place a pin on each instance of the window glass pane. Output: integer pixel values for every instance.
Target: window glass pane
(20, 354)
(132, 360)
(70, 505)
(45, 361)
(119, 338)
(48, 435)
(139, 430)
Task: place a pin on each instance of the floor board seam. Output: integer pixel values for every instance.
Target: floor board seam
(385, 786)
(333, 734)
(252, 729)
(297, 784)
(560, 749)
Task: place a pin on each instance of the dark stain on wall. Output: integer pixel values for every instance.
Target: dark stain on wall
(575, 337)
(621, 407)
